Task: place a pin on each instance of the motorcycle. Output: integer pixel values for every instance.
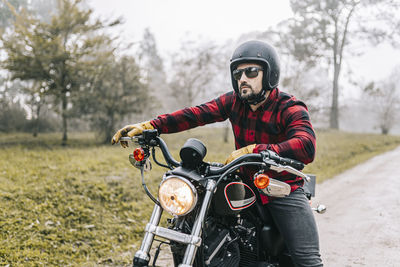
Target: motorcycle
(217, 220)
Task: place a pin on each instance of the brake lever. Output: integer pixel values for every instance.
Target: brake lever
(280, 168)
(134, 139)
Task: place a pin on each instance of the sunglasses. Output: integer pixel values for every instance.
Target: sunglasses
(251, 72)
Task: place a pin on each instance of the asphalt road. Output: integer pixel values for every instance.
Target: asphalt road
(361, 226)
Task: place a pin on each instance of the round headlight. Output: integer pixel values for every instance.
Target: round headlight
(177, 195)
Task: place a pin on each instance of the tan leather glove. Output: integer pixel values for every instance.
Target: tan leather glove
(240, 152)
(131, 130)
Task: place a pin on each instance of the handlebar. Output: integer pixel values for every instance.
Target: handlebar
(168, 157)
(285, 161)
(160, 142)
(270, 162)
(270, 158)
(126, 138)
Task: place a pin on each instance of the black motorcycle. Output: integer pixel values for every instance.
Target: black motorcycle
(217, 220)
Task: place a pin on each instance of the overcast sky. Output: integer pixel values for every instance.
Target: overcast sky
(172, 20)
(220, 20)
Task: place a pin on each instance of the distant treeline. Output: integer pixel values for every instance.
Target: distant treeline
(63, 69)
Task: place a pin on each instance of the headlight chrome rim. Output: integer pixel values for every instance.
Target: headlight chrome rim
(185, 182)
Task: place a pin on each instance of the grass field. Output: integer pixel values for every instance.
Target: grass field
(83, 205)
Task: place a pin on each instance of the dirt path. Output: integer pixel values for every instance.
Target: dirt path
(362, 224)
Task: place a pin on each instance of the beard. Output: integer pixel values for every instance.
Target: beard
(247, 93)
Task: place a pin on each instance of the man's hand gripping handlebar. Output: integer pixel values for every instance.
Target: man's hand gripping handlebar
(130, 131)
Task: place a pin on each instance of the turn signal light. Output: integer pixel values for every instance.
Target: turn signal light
(138, 154)
(261, 181)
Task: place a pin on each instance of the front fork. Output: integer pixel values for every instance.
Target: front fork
(193, 241)
(142, 256)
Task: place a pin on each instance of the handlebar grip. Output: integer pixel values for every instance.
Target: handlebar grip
(127, 138)
(293, 163)
(285, 161)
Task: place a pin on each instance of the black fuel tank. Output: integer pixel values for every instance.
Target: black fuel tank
(232, 197)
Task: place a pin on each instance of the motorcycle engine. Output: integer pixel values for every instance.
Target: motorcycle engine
(235, 247)
(220, 249)
(248, 243)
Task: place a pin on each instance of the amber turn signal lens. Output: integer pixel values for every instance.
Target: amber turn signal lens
(261, 181)
(138, 154)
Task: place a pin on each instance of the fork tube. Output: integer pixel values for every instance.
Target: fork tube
(198, 225)
(142, 256)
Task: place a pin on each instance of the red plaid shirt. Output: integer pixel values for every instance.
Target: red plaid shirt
(281, 124)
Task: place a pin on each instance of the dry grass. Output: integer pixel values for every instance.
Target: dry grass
(83, 205)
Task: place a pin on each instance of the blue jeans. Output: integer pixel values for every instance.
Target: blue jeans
(295, 220)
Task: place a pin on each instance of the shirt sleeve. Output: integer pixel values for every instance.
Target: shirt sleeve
(187, 118)
(301, 141)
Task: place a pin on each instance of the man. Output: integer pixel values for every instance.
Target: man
(262, 118)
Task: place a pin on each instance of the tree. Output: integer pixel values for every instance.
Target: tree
(36, 102)
(385, 98)
(12, 115)
(7, 7)
(323, 29)
(153, 72)
(54, 53)
(193, 71)
(110, 91)
(44, 9)
(9, 109)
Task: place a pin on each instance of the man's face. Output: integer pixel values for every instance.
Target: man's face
(249, 87)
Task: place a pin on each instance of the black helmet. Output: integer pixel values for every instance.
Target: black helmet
(260, 53)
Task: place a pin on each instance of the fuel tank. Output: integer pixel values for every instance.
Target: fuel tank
(232, 197)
